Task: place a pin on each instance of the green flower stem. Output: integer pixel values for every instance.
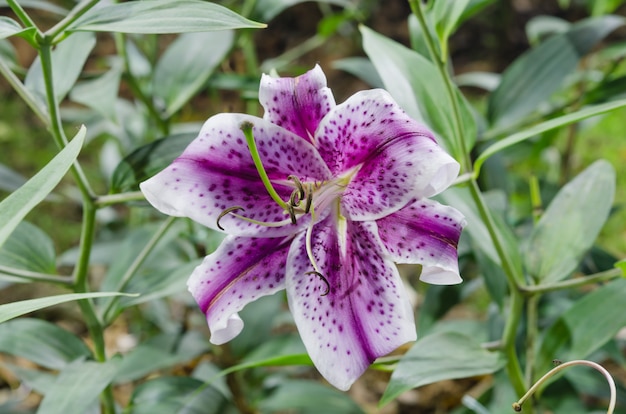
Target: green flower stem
(605, 276)
(514, 370)
(532, 305)
(133, 84)
(440, 62)
(111, 199)
(76, 12)
(81, 285)
(36, 276)
(25, 94)
(517, 406)
(246, 127)
(21, 14)
(107, 315)
(56, 126)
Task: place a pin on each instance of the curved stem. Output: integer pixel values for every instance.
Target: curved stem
(110, 199)
(517, 406)
(21, 13)
(56, 126)
(572, 283)
(132, 269)
(78, 11)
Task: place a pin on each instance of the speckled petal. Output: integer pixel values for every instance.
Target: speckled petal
(366, 313)
(297, 104)
(427, 233)
(240, 271)
(396, 157)
(216, 172)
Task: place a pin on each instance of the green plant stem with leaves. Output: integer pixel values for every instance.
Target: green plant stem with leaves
(516, 302)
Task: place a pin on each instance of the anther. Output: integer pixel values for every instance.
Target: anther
(309, 200)
(298, 184)
(321, 276)
(225, 212)
(292, 213)
(294, 199)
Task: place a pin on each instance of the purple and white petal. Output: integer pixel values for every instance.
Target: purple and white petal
(216, 172)
(427, 233)
(366, 313)
(297, 104)
(240, 271)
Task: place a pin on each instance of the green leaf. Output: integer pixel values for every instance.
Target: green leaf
(40, 5)
(360, 67)
(15, 309)
(9, 27)
(308, 397)
(77, 387)
(586, 326)
(447, 15)
(622, 266)
(540, 72)
(100, 94)
(29, 248)
(148, 160)
(417, 86)
(41, 342)
(35, 379)
(162, 16)
(19, 203)
(166, 395)
(160, 352)
(268, 9)
(439, 357)
(157, 284)
(68, 60)
(544, 127)
(570, 224)
(186, 66)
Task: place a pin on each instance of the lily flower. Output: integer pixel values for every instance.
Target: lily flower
(322, 200)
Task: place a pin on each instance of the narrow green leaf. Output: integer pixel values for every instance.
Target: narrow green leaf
(586, 326)
(19, 203)
(540, 72)
(308, 397)
(162, 16)
(622, 265)
(166, 395)
(186, 66)
(147, 160)
(438, 357)
(29, 248)
(41, 5)
(68, 60)
(77, 387)
(15, 309)
(36, 379)
(41, 342)
(544, 127)
(417, 86)
(570, 224)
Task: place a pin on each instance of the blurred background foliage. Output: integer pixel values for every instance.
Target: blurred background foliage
(132, 93)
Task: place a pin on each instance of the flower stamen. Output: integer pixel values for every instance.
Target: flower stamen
(321, 276)
(299, 186)
(225, 212)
